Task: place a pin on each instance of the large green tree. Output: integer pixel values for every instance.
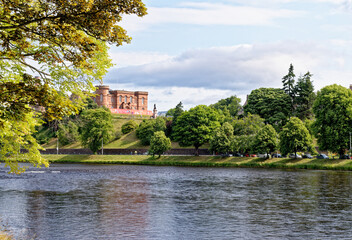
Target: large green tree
(266, 140)
(159, 143)
(232, 104)
(194, 127)
(272, 104)
(65, 43)
(305, 96)
(295, 137)
(97, 128)
(221, 140)
(147, 128)
(333, 114)
(248, 125)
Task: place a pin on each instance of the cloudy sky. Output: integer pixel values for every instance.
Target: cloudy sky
(199, 52)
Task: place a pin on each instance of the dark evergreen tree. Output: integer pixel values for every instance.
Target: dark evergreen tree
(288, 82)
(305, 97)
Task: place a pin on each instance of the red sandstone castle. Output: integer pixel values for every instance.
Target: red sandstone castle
(121, 101)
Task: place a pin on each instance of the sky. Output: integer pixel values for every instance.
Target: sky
(199, 52)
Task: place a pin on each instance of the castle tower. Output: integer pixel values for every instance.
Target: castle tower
(102, 96)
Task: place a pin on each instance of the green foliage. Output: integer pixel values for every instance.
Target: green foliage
(159, 143)
(221, 140)
(129, 126)
(55, 40)
(305, 96)
(266, 140)
(91, 104)
(272, 104)
(333, 118)
(44, 133)
(97, 128)
(16, 135)
(243, 143)
(295, 137)
(68, 133)
(146, 129)
(231, 104)
(194, 127)
(248, 125)
(288, 82)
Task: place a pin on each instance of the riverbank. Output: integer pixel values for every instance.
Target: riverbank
(206, 161)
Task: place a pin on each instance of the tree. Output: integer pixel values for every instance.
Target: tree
(243, 143)
(68, 133)
(194, 127)
(97, 128)
(272, 104)
(175, 113)
(232, 104)
(305, 97)
(147, 128)
(65, 43)
(129, 126)
(266, 140)
(221, 140)
(295, 137)
(248, 125)
(159, 143)
(288, 82)
(333, 118)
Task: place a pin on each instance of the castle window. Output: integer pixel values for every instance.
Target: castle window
(131, 100)
(143, 101)
(120, 98)
(125, 99)
(101, 97)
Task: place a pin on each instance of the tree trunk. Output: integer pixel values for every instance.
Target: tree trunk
(197, 152)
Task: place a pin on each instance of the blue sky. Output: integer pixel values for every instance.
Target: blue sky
(199, 52)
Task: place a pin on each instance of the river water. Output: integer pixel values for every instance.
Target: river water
(79, 201)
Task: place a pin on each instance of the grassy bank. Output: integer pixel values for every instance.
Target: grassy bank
(206, 161)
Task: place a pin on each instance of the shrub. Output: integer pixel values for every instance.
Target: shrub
(129, 127)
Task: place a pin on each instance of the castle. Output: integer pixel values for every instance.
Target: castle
(121, 101)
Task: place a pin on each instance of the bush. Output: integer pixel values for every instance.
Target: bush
(129, 127)
(68, 133)
(118, 135)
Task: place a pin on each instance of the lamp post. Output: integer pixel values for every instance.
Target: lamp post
(350, 142)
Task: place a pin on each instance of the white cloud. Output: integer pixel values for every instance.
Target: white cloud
(204, 76)
(208, 14)
(124, 59)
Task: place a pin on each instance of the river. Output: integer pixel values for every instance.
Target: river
(77, 201)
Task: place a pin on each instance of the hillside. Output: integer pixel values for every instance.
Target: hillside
(129, 140)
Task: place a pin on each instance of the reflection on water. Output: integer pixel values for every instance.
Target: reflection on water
(141, 202)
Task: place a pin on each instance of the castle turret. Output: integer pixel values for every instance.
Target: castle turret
(102, 98)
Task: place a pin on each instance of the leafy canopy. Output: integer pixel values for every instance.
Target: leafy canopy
(232, 104)
(266, 140)
(272, 104)
(333, 114)
(65, 43)
(97, 128)
(221, 140)
(295, 137)
(147, 128)
(194, 127)
(159, 143)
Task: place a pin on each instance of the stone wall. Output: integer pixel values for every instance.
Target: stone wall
(109, 151)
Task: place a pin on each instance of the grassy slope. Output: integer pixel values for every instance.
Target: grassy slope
(129, 141)
(207, 161)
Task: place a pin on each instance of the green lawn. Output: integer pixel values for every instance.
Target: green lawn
(207, 161)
